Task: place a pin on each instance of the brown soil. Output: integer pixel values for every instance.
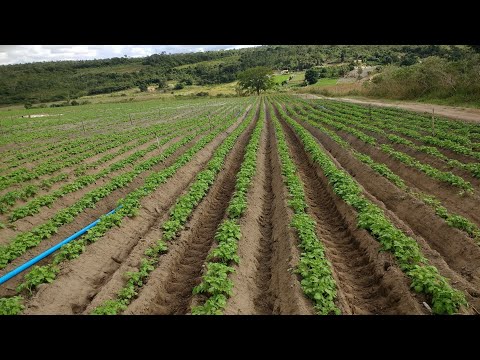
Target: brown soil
(88, 215)
(368, 281)
(449, 195)
(98, 274)
(466, 114)
(263, 281)
(169, 288)
(70, 170)
(448, 248)
(72, 197)
(430, 159)
(47, 213)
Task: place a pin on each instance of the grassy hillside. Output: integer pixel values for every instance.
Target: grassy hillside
(66, 80)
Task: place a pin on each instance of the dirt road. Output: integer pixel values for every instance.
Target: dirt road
(458, 113)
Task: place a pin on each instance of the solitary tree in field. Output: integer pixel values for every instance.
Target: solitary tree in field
(256, 79)
(311, 76)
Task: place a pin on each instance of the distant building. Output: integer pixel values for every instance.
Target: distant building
(284, 72)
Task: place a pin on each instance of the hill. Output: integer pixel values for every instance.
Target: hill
(66, 80)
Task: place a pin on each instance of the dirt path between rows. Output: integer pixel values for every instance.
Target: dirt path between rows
(98, 273)
(264, 282)
(169, 288)
(457, 113)
(368, 280)
(452, 252)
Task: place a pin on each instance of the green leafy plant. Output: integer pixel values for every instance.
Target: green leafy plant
(11, 305)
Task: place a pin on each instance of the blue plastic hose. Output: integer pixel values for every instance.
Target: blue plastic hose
(37, 258)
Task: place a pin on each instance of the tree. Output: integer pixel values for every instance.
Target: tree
(239, 90)
(475, 48)
(311, 76)
(162, 83)
(256, 79)
(408, 59)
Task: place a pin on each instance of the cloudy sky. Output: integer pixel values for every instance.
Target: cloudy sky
(17, 54)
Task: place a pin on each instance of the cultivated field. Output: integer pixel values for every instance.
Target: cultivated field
(257, 205)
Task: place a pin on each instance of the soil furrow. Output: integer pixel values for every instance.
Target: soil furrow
(99, 272)
(264, 299)
(449, 249)
(368, 281)
(169, 289)
(264, 282)
(102, 207)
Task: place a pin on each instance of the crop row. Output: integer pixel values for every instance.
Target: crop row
(34, 206)
(344, 125)
(314, 268)
(449, 130)
(448, 140)
(68, 145)
(32, 238)
(424, 278)
(452, 219)
(57, 163)
(129, 208)
(178, 216)
(473, 168)
(215, 283)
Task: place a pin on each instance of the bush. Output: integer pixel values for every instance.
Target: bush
(178, 86)
(311, 76)
(202, 93)
(74, 103)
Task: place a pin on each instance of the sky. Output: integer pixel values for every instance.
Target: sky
(20, 54)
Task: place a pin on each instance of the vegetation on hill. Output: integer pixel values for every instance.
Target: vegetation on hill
(67, 80)
(454, 82)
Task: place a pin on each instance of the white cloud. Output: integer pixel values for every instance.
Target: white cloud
(16, 54)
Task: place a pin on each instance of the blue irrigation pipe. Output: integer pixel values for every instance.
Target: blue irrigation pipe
(37, 258)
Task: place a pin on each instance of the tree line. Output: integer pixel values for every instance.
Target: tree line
(67, 80)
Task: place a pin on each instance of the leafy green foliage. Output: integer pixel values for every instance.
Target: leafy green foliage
(26, 240)
(453, 220)
(109, 307)
(212, 306)
(256, 79)
(317, 279)
(38, 275)
(229, 233)
(445, 300)
(179, 213)
(427, 280)
(216, 280)
(311, 76)
(11, 305)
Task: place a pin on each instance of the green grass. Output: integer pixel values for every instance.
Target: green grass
(225, 60)
(278, 79)
(120, 69)
(326, 82)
